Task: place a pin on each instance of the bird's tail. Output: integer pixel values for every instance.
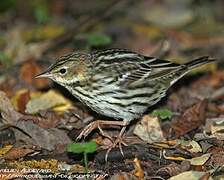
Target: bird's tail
(199, 62)
(191, 65)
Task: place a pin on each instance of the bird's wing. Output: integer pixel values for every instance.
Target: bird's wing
(151, 70)
(130, 67)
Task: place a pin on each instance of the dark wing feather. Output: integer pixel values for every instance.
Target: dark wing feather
(131, 67)
(150, 70)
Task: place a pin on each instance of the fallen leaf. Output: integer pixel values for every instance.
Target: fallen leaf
(214, 80)
(201, 160)
(51, 139)
(149, 129)
(170, 169)
(192, 175)
(5, 149)
(20, 99)
(46, 119)
(139, 172)
(217, 159)
(28, 71)
(191, 119)
(48, 100)
(49, 119)
(216, 125)
(191, 146)
(17, 152)
(168, 16)
(9, 114)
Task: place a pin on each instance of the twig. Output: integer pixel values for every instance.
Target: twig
(84, 25)
(138, 150)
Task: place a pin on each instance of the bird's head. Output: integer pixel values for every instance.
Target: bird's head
(69, 69)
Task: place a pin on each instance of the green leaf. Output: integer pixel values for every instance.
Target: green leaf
(5, 59)
(40, 10)
(98, 39)
(162, 113)
(88, 147)
(41, 14)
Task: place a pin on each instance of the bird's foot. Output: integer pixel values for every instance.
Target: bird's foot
(119, 141)
(97, 124)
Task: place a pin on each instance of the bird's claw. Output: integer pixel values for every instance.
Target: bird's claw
(119, 141)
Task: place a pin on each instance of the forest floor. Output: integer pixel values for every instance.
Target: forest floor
(180, 137)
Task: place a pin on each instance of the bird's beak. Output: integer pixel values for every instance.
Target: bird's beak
(45, 74)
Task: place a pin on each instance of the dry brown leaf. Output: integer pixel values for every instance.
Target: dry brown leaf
(214, 80)
(51, 139)
(50, 119)
(17, 152)
(20, 99)
(149, 129)
(9, 114)
(47, 119)
(217, 159)
(29, 70)
(171, 169)
(192, 118)
(139, 172)
(215, 126)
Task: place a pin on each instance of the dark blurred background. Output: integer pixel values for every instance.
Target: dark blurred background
(41, 30)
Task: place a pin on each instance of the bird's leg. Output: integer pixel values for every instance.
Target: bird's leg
(119, 140)
(105, 134)
(97, 124)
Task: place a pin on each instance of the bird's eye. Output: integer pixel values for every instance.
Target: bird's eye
(62, 71)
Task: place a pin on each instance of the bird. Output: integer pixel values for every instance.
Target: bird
(117, 83)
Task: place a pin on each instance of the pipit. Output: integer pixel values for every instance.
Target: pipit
(117, 83)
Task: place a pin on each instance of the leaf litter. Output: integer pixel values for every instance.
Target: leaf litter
(184, 142)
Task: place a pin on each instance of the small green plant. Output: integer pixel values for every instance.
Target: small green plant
(162, 113)
(40, 10)
(85, 148)
(97, 39)
(5, 59)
